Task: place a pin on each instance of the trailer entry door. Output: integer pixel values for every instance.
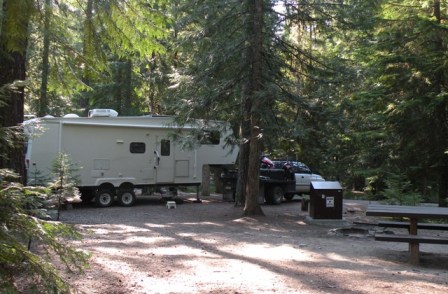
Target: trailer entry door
(164, 161)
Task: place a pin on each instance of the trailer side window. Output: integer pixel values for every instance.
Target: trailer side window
(137, 147)
(165, 147)
(209, 138)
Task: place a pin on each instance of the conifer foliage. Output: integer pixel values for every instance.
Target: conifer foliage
(406, 92)
(28, 242)
(228, 71)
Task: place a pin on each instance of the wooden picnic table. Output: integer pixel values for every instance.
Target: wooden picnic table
(414, 214)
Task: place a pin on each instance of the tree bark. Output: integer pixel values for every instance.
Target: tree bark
(443, 187)
(152, 87)
(219, 185)
(118, 84)
(127, 88)
(243, 163)
(255, 50)
(441, 116)
(243, 157)
(43, 101)
(206, 180)
(88, 51)
(252, 207)
(1, 15)
(12, 68)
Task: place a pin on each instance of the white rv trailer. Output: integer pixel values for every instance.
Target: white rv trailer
(117, 155)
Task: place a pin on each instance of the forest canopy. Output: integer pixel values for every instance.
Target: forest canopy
(355, 89)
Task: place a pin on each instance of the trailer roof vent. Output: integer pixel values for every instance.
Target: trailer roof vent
(71, 115)
(103, 113)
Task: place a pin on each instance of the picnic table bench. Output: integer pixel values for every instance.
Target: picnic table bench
(413, 213)
(406, 225)
(410, 239)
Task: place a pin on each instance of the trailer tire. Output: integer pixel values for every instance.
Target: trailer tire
(126, 198)
(104, 198)
(276, 195)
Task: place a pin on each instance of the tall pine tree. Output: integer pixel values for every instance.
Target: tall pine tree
(14, 22)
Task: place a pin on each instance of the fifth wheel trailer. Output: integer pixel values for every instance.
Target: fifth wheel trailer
(117, 155)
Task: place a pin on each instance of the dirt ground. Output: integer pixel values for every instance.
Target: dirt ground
(209, 248)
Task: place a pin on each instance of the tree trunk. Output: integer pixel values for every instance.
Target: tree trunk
(127, 88)
(441, 116)
(88, 51)
(1, 15)
(12, 68)
(252, 207)
(219, 185)
(243, 163)
(43, 101)
(152, 87)
(255, 50)
(206, 180)
(118, 84)
(122, 78)
(243, 157)
(443, 187)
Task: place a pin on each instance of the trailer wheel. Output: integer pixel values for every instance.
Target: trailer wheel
(276, 195)
(126, 198)
(104, 198)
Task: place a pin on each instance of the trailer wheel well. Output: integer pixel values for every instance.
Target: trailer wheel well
(126, 186)
(106, 186)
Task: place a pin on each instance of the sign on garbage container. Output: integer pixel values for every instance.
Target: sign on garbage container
(330, 201)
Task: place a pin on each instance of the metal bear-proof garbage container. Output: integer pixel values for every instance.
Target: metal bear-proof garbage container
(229, 182)
(325, 200)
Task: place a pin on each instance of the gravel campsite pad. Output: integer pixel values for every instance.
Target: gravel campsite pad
(209, 248)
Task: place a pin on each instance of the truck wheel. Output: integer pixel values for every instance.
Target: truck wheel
(104, 198)
(276, 195)
(126, 198)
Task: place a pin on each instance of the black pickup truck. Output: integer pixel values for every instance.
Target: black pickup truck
(275, 184)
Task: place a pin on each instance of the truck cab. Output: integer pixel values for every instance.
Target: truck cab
(302, 173)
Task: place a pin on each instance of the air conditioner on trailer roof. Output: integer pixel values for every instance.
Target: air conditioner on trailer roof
(103, 113)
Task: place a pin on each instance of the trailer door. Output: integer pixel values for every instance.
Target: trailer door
(164, 161)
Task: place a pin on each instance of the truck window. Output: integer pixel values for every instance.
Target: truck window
(165, 147)
(137, 147)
